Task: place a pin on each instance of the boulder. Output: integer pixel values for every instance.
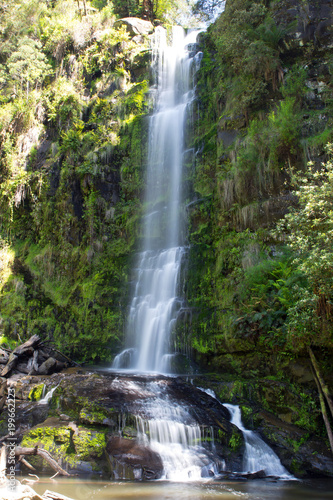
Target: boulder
(135, 26)
(48, 366)
(131, 460)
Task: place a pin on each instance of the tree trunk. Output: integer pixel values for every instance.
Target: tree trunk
(321, 381)
(324, 412)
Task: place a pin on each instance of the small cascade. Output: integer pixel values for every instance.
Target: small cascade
(48, 396)
(258, 455)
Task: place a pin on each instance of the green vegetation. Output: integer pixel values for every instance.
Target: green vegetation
(71, 131)
(73, 139)
(260, 259)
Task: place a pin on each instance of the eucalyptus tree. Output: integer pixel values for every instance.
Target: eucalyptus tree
(163, 10)
(28, 65)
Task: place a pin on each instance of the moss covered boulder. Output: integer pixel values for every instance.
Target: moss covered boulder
(77, 449)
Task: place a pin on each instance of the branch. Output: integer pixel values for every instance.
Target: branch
(44, 454)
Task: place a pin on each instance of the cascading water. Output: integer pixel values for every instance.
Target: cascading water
(174, 434)
(258, 455)
(155, 304)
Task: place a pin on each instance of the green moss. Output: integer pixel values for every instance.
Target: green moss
(36, 392)
(89, 443)
(94, 414)
(55, 440)
(235, 441)
(65, 444)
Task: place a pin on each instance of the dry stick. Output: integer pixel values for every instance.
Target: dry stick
(323, 385)
(26, 463)
(52, 495)
(44, 454)
(323, 411)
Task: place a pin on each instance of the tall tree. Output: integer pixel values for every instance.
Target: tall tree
(28, 64)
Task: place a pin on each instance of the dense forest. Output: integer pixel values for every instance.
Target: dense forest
(74, 95)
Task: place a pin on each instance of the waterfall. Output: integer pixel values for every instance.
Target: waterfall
(155, 302)
(258, 455)
(168, 427)
(47, 397)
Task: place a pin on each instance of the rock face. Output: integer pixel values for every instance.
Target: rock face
(130, 460)
(284, 419)
(89, 425)
(314, 20)
(135, 26)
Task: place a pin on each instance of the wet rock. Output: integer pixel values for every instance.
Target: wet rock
(260, 474)
(236, 476)
(131, 460)
(301, 454)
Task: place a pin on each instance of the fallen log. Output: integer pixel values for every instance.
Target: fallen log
(52, 495)
(12, 362)
(26, 463)
(32, 343)
(24, 349)
(19, 451)
(323, 411)
(33, 357)
(3, 357)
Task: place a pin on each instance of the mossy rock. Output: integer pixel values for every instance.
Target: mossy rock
(236, 441)
(89, 443)
(129, 432)
(98, 416)
(36, 392)
(76, 449)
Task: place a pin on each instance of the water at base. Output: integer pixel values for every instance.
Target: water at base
(78, 489)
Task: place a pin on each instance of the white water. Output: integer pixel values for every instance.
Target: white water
(155, 303)
(176, 437)
(258, 455)
(168, 429)
(48, 396)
